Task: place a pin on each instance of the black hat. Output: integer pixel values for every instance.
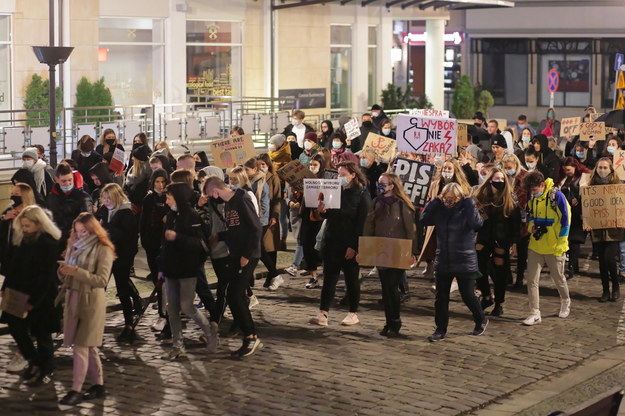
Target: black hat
(181, 192)
(141, 153)
(479, 116)
(499, 140)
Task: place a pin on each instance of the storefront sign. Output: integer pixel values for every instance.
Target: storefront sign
(302, 98)
(594, 130)
(327, 191)
(603, 206)
(384, 147)
(569, 127)
(228, 153)
(416, 177)
(426, 112)
(419, 38)
(385, 252)
(426, 135)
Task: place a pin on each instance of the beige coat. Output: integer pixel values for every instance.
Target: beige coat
(271, 239)
(85, 327)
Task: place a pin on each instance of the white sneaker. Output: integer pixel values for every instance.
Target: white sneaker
(350, 319)
(533, 319)
(373, 272)
(276, 282)
(175, 354)
(454, 286)
(210, 341)
(292, 270)
(253, 301)
(321, 319)
(313, 283)
(565, 308)
(17, 363)
(159, 324)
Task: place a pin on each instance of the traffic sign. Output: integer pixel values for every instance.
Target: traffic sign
(620, 82)
(620, 103)
(553, 80)
(619, 60)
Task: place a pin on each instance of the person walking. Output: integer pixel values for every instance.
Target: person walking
(84, 275)
(456, 219)
(549, 220)
(392, 216)
(30, 270)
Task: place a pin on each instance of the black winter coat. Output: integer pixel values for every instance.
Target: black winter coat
(183, 257)
(85, 164)
(122, 228)
(570, 189)
(346, 224)
(151, 223)
(66, 207)
(455, 234)
(498, 228)
(32, 270)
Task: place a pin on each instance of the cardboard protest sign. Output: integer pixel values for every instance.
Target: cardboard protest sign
(603, 206)
(426, 135)
(352, 130)
(594, 130)
(385, 252)
(118, 161)
(233, 151)
(462, 135)
(427, 112)
(327, 191)
(294, 174)
(595, 116)
(330, 174)
(619, 164)
(569, 127)
(384, 147)
(416, 177)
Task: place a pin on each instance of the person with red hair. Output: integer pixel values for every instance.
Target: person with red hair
(569, 179)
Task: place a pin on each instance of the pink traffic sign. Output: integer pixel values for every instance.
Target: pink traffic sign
(553, 80)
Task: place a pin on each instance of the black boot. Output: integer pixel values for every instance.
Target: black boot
(497, 310)
(605, 296)
(616, 292)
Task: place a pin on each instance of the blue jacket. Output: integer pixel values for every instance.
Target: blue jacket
(455, 234)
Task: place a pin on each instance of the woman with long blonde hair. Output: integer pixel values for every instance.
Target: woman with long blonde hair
(501, 230)
(30, 270)
(108, 143)
(392, 216)
(85, 274)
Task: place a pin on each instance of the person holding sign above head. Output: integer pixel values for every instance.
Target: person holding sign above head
(455, 218)
(607, 239)
(340, 242)
(392, 216)
(549, 222)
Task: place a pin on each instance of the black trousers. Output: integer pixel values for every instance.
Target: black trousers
(574, 250)
(126, 289)
(308, 236)
(608, 252)
(268, 258)
(41, 355)
(151, 253)
(333, 262)
(499, 273)
(203, 290)
(521, 261)
(221, 270)
(466, 287)
(238, 280)
(391, 280)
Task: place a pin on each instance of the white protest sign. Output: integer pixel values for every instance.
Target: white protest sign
(327, 191)
(352, 130)
(426, 135)
(426, 112)
(118, 161)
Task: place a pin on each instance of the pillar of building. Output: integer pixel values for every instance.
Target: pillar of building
(434, 62)
(360, 61)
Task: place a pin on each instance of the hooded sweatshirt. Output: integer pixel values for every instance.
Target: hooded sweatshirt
(243, 229)
(548, 157)
(153, 211)
(121, 225)
(552, 211)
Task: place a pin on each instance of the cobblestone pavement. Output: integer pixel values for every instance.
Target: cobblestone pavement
(303, 370)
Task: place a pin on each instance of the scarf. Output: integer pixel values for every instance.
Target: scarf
(83, 254)
(281, 157)
(336, 155)
(38, 170)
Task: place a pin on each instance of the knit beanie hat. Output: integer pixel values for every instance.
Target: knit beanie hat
(312, 136)
(141, 153)
(278, 140)
(500, 141)
(31, 152)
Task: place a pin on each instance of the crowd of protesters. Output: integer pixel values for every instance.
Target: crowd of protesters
(511, 196)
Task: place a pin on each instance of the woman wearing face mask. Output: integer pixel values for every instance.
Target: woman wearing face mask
(310, 148)
(607, 239)
(524, 142)
(343, 227)
(43, 180)
(569, 183)
(516, 173)
(138, 177)
(116, 217)
(324, 136)
(455, 219)
(151, 228)
(502, 225)
(86, 158)
(338, 149)
(387, 129)
(310, 225)
(612, 145)
(372, 169)
(392, 216)
(585, 156)
(31, 270)
(108, 143)
(279, 151)
(550, 122)
(277, 189)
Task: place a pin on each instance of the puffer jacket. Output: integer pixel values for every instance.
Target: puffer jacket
(392, 219)
(455, 234)
(552, 211)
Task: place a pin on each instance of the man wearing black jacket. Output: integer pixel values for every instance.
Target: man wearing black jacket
(242, 236)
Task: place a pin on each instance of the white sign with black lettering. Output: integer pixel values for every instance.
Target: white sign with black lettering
(327, 191)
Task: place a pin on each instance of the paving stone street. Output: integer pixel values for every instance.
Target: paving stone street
(305, 370)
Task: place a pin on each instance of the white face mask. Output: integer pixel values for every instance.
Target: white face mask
(271, 147)
(603, 172)
(308, 145)
(295, 122)
(265, 170)
(28, 163)
(314, 170)
(530, 166)
(374, 114)
(447, 175)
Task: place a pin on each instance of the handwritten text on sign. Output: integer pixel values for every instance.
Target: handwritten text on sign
(603, 206)
(425, 135)
(426, 112)
(619, 164)
(416, 177)
(569, 127)
(233, 151)
(294, 174)
(594, 130)
(351, 129)
(384, 147)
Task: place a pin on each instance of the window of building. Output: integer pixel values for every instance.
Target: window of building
(131, 59)
(504, 69)
(572, 59)
(5, 62)
(340, 66)
(214, 58)
(374, 93)
(609, 49)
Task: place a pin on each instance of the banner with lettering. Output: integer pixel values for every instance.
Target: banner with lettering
(427, 135)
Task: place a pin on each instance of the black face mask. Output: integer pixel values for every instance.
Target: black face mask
(367, 124)
(110, 142)
(135, 145)
(498, 185)
(217, 200)
(17, 200)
